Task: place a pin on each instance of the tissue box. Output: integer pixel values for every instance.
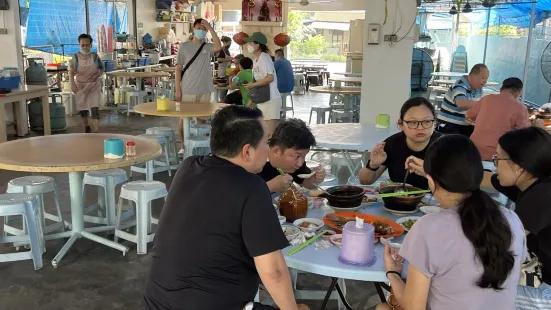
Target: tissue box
(113, 148)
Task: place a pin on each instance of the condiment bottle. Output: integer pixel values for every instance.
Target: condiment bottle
(177, 106)
(130, 148)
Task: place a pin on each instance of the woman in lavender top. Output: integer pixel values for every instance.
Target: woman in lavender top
(467, 256)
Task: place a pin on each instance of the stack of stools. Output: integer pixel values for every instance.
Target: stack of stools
(172, 146)
(106, 181)
(199, 141)
(142, 193)
(153, 166)
(36, 185)
(26, 206)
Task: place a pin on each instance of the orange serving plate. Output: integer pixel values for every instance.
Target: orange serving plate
(368, 218)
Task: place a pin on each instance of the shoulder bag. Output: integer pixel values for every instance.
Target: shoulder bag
(191, 60)
(259, 94)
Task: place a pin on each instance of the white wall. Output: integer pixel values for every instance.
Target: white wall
(11, 52)
(387, 68)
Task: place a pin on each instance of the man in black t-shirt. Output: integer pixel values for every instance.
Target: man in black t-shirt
(218, 231)
(289, 144)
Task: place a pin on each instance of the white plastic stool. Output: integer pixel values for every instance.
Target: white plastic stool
(170, 136)
(153, 166)
(200, 130)
(141, 193)
(106, 181)
(27, 206)
(36, 185)
(284, 107)
(192, 143)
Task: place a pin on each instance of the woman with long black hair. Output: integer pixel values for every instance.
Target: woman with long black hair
(467, 256)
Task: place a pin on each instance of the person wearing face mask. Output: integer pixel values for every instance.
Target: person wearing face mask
(494, 115)
(224, 58)
(265, 74)
(195, 84)
(460, 98)
(85, 71)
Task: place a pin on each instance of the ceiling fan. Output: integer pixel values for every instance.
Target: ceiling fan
(306, 2)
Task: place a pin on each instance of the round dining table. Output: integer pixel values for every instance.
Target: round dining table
(325, 262)
(73, 154)
(188, 110)
(338, 80)
(164, 69)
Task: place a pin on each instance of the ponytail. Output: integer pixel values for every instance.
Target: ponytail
(487, 229)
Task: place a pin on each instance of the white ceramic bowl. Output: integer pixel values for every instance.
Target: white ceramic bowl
(317, 222)
(393, 245)
(282, 219)
(404, 219)
(291, 232)
(430, 209)
(336, 239)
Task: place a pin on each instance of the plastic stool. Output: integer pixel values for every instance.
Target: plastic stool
(106, 181)
(192, 143)
(200, 130)
(339, 116)
(141, 193)
(154, 166)
(170, 136)
(284, 107)
(320, 112)
(36, 185)
(28, 207)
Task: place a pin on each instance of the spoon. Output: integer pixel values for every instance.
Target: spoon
(403, 188)
(306, 176)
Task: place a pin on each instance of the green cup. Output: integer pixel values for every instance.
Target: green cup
(383, 120)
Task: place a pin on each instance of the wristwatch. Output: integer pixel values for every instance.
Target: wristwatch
(249, 306)
(369, 167)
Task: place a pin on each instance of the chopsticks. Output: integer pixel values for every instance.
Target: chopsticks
(403, 194)
(302, 246)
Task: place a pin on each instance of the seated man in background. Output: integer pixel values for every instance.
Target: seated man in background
(285, 77)
(460, 98)
(289, 144)
(242, 78)
(236, 96)
(495, 115)
(217, 232)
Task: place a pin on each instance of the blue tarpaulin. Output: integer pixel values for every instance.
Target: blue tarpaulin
(512, 14)
(63, 22)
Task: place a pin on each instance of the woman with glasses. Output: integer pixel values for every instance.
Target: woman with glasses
(416, 121)
(85, 71)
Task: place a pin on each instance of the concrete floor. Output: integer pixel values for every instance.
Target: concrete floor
(92, 276)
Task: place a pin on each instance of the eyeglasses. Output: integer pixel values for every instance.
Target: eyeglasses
(415, 124)
(496, 159)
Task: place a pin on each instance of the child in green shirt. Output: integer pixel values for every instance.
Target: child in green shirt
(244, 76)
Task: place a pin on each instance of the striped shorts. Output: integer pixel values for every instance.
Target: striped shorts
(530, 298)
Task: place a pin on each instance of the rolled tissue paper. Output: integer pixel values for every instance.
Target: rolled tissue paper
(113, 148)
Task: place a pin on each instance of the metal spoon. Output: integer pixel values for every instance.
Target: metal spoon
(306, 176)
(402, 188)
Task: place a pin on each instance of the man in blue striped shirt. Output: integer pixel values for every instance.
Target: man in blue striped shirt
(460, 98)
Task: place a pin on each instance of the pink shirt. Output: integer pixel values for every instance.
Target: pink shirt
(495, 115)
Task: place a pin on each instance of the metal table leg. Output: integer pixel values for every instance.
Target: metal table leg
(334, 285)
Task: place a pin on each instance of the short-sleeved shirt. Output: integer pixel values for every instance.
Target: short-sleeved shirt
(262, 66)
(397, 151)
(245, 76)
(449, 111)
(216, 219)
(495, 115)
(533, 209)
(269, 172)
(198, 77)
(223, 65)
(438, 248)
(285, 76)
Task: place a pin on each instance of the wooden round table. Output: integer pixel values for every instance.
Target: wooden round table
(138, 75)
(346, 79)
(164, 69)
(188, 110)
(344, 90)
(348, 93)
(73, 154)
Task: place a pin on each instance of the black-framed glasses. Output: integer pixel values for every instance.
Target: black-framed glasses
(426, 124)
(496, 159)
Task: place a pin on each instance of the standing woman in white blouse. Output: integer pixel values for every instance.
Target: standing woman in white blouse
(265, 74)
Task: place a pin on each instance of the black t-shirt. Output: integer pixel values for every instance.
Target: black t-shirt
(533, 209)
(269, 172)
(217, 217)
(397, 152)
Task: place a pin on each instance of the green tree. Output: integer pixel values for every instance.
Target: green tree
(502, 30)
(303, 44)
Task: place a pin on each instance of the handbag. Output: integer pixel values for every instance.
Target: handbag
(530, 271)
(192, 60)
(259, 94)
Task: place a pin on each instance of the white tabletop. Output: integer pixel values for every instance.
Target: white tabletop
(326, 262)
(350, 136)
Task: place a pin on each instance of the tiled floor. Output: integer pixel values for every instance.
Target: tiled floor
(92, 276)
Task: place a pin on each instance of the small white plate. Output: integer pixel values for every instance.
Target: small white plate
(401, 213)
(430, 209)
(393, 245)
(370, 203)
(291, 232)
(282, 219)
(336, 239)
(404, 219)
(345, 209)
(317, 222)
